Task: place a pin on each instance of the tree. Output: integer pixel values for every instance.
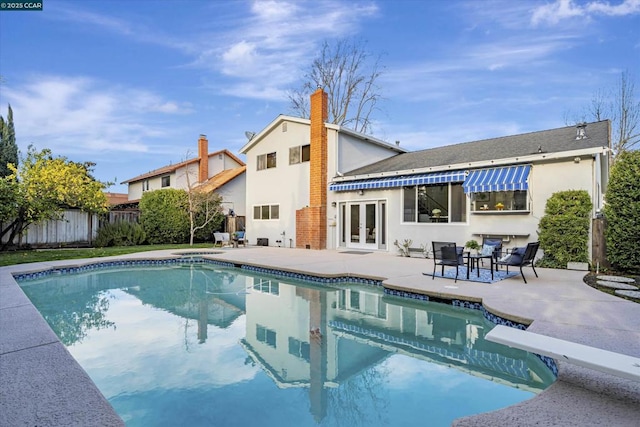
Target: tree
(164, 216)
(348, 74)
(43, 187)
(8, 147)
(622, 211)
(203, 207)
(564, 228)
(621, 106)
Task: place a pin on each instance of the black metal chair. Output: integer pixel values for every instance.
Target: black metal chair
(446, 254)
(522, 257)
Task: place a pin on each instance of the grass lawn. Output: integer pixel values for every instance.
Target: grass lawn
(40, 255)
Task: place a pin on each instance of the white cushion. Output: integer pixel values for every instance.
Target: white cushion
(487, 250)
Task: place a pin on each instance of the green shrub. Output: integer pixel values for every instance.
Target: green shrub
(564, 229)
(120, 234)
(622, 212)
(164, 216)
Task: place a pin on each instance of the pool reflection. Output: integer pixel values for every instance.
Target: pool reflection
(337, 342)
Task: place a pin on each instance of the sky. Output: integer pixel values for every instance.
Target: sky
(131, 84)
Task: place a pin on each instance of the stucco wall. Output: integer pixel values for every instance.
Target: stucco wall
(233, 195)
(285, 185)
(155, 183)
(517, 228)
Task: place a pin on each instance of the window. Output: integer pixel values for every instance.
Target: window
(434, 203)
(266, 161)
(166, 181)
(266, 286)
(499, 200)
(299, 154)
(145, 185)
(266, 336)
(266, 212)
(300, 349)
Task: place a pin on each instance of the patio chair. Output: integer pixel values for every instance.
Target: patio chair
(239, 237)
(447, 254)
(521, 257)
(492, 246)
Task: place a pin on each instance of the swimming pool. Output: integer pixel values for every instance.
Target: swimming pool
(202, 344)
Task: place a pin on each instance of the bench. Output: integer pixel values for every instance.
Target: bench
(617, 364)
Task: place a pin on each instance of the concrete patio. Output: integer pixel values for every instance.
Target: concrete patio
(41, 384)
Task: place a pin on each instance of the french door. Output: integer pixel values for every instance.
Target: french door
(362, 224)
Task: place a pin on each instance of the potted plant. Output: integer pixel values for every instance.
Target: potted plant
(436, 212)
(499, 206)
(472, 244)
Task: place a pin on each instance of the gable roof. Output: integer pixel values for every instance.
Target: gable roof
(283, 118)
(172, 168)
(539, 143)
(217, 181)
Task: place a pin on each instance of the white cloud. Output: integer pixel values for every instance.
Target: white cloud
(265, 46)
(562, 10)
(627, 7)
(78, 114)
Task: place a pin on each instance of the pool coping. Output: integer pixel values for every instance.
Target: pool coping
(42, 384)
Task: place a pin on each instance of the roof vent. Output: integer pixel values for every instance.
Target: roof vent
(581, 131)
(398, 143)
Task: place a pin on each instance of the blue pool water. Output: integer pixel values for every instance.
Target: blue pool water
(197, 344)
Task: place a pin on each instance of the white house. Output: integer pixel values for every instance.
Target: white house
(315, 185)
(289, 165)
(220, 171)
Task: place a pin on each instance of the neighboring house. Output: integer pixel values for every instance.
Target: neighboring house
(220, 171)
(359, 192)
(288, 167)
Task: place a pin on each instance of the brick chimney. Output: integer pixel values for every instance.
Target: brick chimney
(203, 158)
(311, 222)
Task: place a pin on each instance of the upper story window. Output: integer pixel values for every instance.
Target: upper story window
(299, 154)
(145, 185)
(266, 161)
(434, 203)
(166, 181)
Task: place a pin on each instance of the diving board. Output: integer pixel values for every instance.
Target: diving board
(612, 363)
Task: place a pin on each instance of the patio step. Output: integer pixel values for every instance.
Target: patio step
(612, 363)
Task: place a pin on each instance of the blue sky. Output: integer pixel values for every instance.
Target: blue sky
(131, 84)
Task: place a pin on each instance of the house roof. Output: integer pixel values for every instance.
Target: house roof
(489, 150)
(217, 181)
(116, 198)
(172, 168)
(283, 118)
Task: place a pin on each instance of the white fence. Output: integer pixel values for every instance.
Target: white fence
(76, 227)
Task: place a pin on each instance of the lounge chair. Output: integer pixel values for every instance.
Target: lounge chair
(521, 257)
(221, 239)
(447, 254)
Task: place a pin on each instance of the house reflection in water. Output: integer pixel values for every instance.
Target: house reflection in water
(333, 340)
(321, 337)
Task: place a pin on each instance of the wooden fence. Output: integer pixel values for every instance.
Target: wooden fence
(598, 243)
(76, 228)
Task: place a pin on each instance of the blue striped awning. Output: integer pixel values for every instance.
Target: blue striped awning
(399, 181)
(497, 179)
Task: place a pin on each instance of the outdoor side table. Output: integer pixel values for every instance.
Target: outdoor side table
(475, 259)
